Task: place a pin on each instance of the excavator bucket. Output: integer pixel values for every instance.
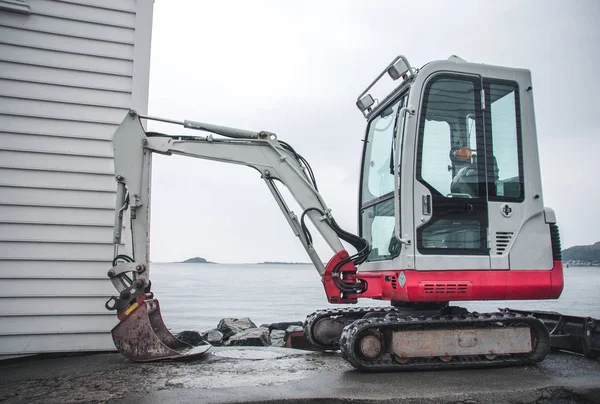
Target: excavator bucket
(143, 337)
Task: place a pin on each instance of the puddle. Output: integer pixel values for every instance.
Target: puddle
(248, 354)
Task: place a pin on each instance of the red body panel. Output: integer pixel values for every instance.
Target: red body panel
(410, 285)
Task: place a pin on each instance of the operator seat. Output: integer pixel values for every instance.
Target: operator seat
(466, 180)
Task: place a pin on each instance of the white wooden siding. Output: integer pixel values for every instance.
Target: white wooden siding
(69, 71)
(52, 269)
(56, 198)
(49, 306)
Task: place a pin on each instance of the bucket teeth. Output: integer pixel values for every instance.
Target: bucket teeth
(142, 336)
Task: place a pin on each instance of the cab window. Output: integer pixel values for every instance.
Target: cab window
(377, 218)
(505, 173)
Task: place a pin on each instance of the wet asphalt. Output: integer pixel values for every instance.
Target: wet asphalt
(279, 375)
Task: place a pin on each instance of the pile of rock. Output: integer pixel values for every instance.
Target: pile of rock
(243, 332)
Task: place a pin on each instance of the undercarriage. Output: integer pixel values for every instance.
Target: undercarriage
(426, 337)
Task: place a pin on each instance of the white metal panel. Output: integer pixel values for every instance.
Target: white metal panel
(12, 344)
(57, 180)
(16, 6)
(80, 12)
(16, 88)
(532, 247)
(122, 5)
(73, 61)
(55, 162)
(53, 269)
(18, 325)
(63, 162)
(52, 144)
(55, 287)
(64, 76)
(63, 43)
(69, 72)
(48, 198)
(56, 127)
(54, 108)
(76, 28)
(55, 233)
(28, 306)
(53, 215)
(55, 251)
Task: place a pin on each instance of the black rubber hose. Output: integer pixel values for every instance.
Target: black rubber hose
(357, 242)
(121, 257)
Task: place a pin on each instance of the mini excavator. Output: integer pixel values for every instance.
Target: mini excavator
(450, 209)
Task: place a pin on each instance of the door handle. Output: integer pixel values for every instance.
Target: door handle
(426, 199)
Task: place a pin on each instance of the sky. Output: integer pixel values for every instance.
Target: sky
(296, 68)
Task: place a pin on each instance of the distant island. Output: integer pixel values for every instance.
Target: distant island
(196, 260)
(284, 263)
(582, 255)
(200, 260)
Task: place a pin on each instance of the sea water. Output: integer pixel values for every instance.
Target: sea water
(197, 296)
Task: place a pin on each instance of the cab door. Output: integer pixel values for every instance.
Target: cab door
(450, 197)
(519, 234)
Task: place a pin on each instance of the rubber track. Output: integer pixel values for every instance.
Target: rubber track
(349, 312)
(386, 361)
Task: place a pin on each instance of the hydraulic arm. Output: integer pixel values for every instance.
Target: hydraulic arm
(274, 160)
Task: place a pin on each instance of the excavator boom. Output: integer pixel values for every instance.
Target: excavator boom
(141, 325)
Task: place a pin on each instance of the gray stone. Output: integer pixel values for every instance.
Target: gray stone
(278, 338)
(250, 337)
(190, 337)
(294, 328)
(231, 326)
(281, 326)
(214, 337)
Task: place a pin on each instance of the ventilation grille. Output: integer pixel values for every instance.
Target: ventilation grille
(445, 288)
(502, 241)
(393, 281)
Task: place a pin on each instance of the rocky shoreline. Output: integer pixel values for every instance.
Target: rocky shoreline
(244, 332)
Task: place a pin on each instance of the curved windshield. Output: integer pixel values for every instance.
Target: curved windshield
(377, 210)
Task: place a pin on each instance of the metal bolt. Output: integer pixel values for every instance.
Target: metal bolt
(111, 273)
(267, 173)
(144, 142)
(138, 267)
(117, 234)
(120, 178)
(132, 113)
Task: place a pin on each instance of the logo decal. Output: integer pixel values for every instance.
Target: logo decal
(506, 210)
(402, 279)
